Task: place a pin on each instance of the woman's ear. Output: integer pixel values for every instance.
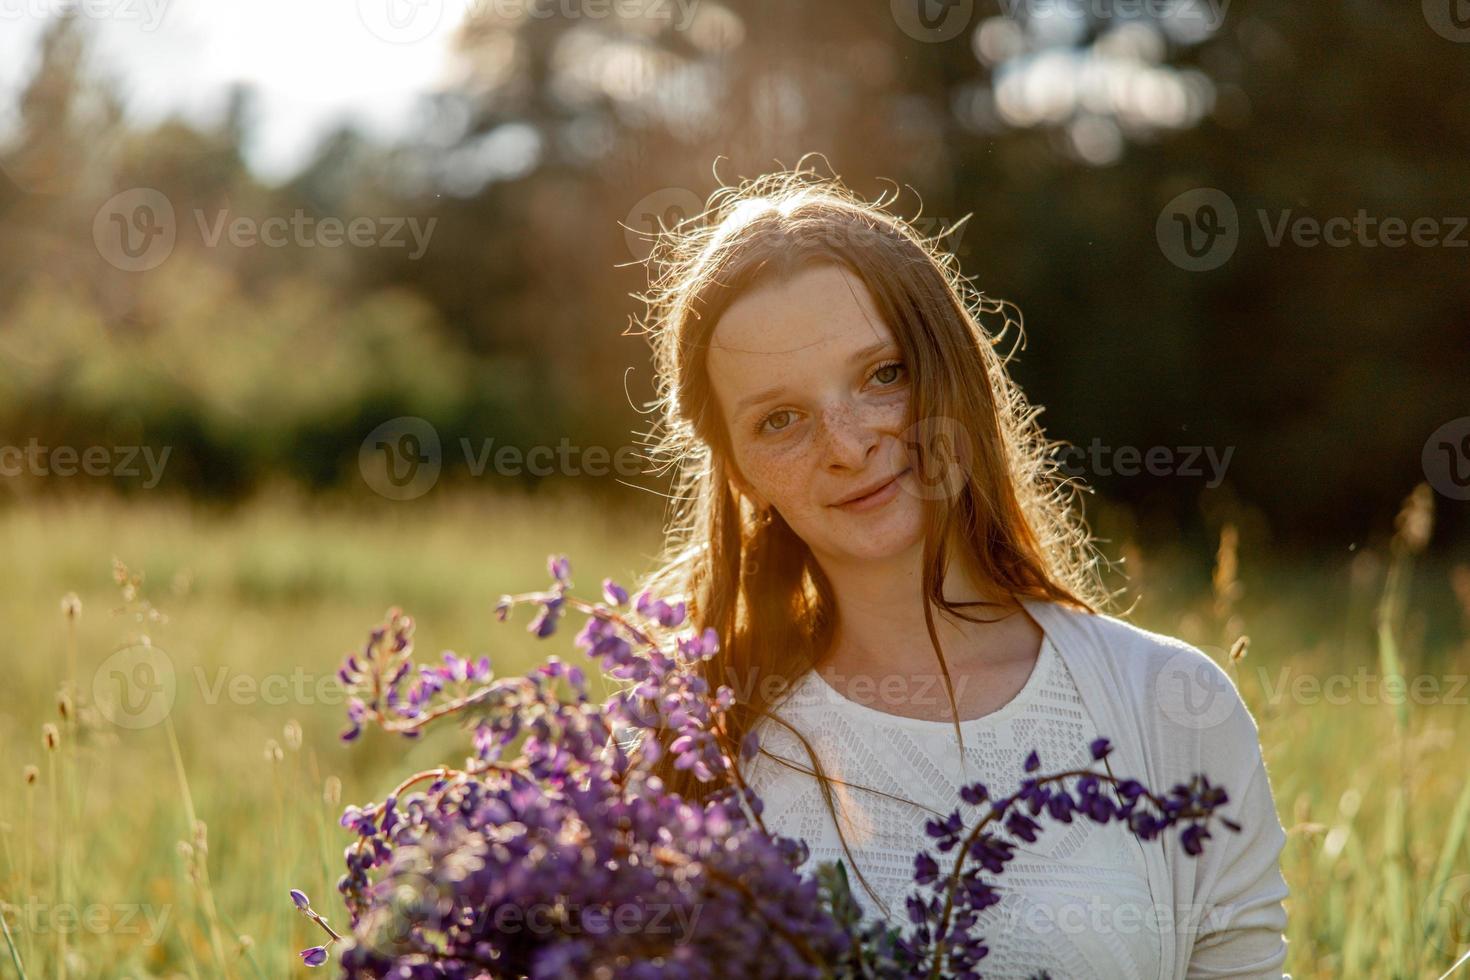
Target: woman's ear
(740, 488)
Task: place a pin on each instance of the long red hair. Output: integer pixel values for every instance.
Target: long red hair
(1001, 506)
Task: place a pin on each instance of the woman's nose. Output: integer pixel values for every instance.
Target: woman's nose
(848, 436)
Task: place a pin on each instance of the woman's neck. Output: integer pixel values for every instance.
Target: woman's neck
(880, 627)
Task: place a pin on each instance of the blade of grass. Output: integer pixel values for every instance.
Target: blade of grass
(206, 895)
(1454, 838)
(10, 943)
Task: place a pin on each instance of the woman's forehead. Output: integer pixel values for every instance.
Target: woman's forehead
(819, 312)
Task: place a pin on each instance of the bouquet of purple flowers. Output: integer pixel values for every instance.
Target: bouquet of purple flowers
(555, 852)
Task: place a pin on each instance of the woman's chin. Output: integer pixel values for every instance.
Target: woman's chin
(877, 538)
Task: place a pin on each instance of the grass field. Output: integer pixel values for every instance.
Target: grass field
(103, 872)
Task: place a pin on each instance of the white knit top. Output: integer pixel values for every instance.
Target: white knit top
(1072, 904)
(1075, 903)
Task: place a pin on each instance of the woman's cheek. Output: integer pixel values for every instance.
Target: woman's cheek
(892, 412)
(774, 471)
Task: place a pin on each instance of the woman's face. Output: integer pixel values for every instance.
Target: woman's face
(813, 388)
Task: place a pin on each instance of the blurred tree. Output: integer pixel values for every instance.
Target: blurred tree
(1063, 129)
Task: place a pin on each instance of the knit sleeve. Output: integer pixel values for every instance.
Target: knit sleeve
(1239, 889)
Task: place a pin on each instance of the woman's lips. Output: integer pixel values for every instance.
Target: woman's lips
(877, 498)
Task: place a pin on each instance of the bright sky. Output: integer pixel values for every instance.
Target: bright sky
(312, 62)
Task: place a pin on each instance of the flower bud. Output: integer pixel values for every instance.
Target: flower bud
(1238, 649)
(63, 705)
(273, 751)
(293, 735)
(50, 737)
(1415, 521)
(71, 606)
(31, 774)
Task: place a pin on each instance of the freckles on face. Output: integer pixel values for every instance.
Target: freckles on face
(813, 388)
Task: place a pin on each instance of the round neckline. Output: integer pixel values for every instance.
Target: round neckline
(829, 696)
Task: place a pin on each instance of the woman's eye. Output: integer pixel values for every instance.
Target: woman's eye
(767, 421)
(896, 367)
(886, 375)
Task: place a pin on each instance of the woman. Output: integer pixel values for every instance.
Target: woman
(858, 479)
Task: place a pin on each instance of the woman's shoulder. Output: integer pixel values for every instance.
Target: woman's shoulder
(1178, 692)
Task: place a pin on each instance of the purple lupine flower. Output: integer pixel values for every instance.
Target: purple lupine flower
(991, 852)
(1193, 839)
(299, 897)
(1022, 826)
(750, 745)
(1060, 807)
(614, 593)
(552, 808)
(926, 869)
(545, 622)
(974, 794)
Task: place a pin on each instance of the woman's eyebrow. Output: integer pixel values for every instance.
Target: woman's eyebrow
(757, 397)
